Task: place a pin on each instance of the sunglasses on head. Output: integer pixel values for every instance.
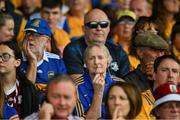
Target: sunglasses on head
(94, 24)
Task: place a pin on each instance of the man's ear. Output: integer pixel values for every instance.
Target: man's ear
(17, 62)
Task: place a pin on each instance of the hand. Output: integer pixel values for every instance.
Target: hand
(149, 69)
(28, 53)
(99, 83)
(117, 114)
(46, 111)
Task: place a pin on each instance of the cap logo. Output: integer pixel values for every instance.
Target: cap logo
(36, 23)
(173, 88)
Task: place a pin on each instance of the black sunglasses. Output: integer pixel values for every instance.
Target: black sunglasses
(94, 24)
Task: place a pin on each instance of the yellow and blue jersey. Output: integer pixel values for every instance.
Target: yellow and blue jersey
(85, 93)
(49, 66)
(147, 105)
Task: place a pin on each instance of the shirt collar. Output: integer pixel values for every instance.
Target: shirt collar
(45, 57)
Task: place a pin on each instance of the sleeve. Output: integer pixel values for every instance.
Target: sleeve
(73, 60)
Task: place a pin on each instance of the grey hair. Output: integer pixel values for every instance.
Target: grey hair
(99, 45)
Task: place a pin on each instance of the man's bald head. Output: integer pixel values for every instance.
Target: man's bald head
(93, 13)
(96, 26)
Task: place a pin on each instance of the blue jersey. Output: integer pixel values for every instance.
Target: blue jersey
(50, 66)
(86, 93)
(9, 112)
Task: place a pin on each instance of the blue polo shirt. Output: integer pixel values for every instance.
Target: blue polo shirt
(9, 112)
(86, 93)
(49, 66)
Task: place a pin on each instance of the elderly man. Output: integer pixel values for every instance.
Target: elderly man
(148, 46)
(60, 100)
(38, 64)
(96, 28)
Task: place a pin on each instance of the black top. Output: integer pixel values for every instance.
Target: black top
(138, 78)
(73, 58)
(30, 97)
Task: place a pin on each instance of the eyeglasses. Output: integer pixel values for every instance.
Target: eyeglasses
(126, 22)
(94, 24)
(6, 56)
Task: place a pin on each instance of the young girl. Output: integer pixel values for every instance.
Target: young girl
(20, 93)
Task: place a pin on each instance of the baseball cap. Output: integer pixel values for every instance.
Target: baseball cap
(126, 13)
(38, 25)
(166, 93)
(152, 40)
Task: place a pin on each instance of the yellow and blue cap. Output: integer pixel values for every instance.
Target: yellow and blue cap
(126, 13)
(38, 25)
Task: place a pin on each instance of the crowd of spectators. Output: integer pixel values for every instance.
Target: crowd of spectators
(89, 59)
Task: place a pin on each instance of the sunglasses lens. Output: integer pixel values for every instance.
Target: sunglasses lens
(92, 24)
(104, 24)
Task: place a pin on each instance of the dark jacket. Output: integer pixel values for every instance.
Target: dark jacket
(30, 98)
(73, 58)
(138, 78)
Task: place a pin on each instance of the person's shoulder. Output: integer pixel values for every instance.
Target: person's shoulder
(130, 75)
(116, 50)
(136, 77)
(75, 46)
(116, 79)
(80, 80)
(77, 43)
(52, 55)
(113, 46)
(25, 83)
(33, 116)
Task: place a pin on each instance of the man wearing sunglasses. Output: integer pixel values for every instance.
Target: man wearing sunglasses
(96, 28)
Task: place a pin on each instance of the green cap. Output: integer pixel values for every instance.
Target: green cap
(147, 39)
